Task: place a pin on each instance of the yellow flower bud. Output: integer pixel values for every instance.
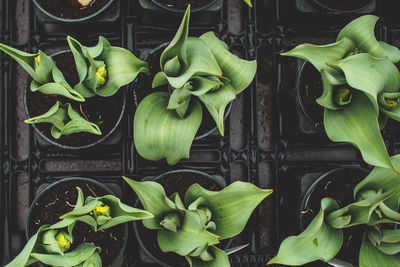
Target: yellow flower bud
(63, 241)
(101, 75)
(102, 210)
(37, 61)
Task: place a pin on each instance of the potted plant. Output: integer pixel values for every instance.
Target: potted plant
(360, 87)
(87, 113)
(194, 226)
(90, 231)
(373, 211)
(194, 72)
(72, 11)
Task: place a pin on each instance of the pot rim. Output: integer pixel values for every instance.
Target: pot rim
(76, 179)
(181, 11)
(197, 137)
(310, 190)
(371, 2)
(54, 143)
(83, 19)
(137, 202)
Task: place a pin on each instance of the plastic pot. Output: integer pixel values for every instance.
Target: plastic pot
(360, 9)
(197, 137)
(120, 258)
(335, 261)
(44, 13)
(54, 143)
(216, 179)
(177, 10)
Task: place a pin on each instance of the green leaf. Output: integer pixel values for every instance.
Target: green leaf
(318, 242)
(248, 2)
(161, 133)
(55, 115)
(230, 207)
(93, 261)
(239, 71)
(370, 256)
(75, 257)
(191, 236)
(216, 102)
(357, 123)
(361, 32)
(220, 259)
(326, 99)
(319, 55)
(153, 198)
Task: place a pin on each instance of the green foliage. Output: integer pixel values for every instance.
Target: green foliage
(192, 228)
(360, 87)
(194, 70)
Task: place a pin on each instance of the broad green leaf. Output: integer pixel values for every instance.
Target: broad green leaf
(230, 207)
(381, 179)
(216, 102)
(76, 126)
(318, 242)
(370, 256)
(25, 255)
(161, 133)
(153, 198)
(357, 123)
(326, 99)
(383, 76)
(239, 71)
(55, 115)
(319, 55)
(189, 237)
(220, 259)
(58, 89)
(75, 257)
(93, 261)
(202, 85)
(361, 32)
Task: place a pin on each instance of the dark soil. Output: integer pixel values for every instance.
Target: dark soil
(104, 111)
(143, 88)
(339, 186)
(310, 89)
(178, 182)
(59, 201)
(182, 4)
(68, 9)
(344, 5)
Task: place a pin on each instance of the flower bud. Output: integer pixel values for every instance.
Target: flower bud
(64, 240)
(102, 210)
(101, 75)
(37, 62)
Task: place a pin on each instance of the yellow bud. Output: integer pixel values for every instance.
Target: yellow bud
(102, 210)
(63, 241)
(37, 61)
(101, 75)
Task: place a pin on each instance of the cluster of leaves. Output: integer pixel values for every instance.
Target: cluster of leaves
(51, 244)
(376, 205)
(194, 69)
(192, 228)
(360, 87)
(102, 69)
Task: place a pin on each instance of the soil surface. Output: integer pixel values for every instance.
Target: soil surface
(71, 9)
(104, 111)
(310, 89)
(182, 4)
(339, 186)
(59, 201)
(345, 5)
(178, 182)
(143, 88)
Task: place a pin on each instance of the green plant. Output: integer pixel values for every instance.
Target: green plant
(194, 227)
(65, 121)
(376, 206)
(104, 69)
(193, 69)
(51, 244)
(360, 87)
(47, 78)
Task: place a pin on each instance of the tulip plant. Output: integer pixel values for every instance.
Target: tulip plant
(360, 87)
(51, 244)
(376, 205)
(194, 69)
(102, 69)
(192, 228)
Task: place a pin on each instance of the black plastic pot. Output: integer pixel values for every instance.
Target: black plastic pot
(219, 182)
(120, 258)
(197, 137)
(314, 126)
(44, 12)
(334, 262)
(360, 9)
(176, 10)
(52, 142)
